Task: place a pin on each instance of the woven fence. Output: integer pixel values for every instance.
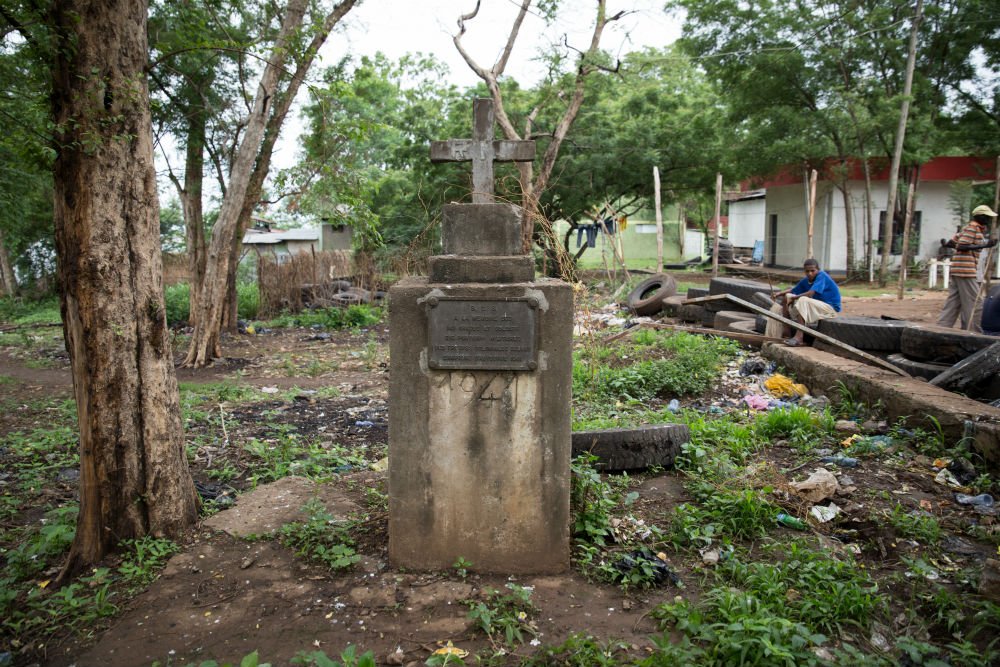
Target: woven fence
(297, 280)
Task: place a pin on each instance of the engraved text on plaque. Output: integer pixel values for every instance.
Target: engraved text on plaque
(482, 334)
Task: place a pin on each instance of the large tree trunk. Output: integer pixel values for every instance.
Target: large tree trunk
(208, 311)
(8, 283)
(191, 204)
(134, 478)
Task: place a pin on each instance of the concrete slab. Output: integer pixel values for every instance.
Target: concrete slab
(914, 399)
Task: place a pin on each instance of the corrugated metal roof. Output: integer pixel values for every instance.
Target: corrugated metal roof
(256, 237)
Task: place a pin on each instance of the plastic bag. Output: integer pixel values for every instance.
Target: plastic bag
(779, 385)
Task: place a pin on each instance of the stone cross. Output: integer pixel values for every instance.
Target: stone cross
(482, 150)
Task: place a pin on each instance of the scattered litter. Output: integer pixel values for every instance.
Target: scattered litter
(963, 470)
(657, 563)
(629, 529)
(941, 463)
(753, 367)
(879, 641)
(820, 485)
(842, 461)
(818, 403)
(451, 649)
(947, 478)
(846, 426)
(674, 405)
(755, 402)
(364, 423)
(779, 385)
(709, 556)
(269, 390)
(381, 465)
(791, 521)
(982, 500)
(824, 514)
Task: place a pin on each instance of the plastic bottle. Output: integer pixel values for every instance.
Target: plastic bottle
(674, 405)
(842, 461)
(791, 521)
(983, 499)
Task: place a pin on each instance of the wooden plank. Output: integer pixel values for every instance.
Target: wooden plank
(749, 338)
(821, 336)
(700, 299)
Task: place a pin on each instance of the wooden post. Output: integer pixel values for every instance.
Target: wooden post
(897, 151)
(718, 224)
(812, 212)
(906, 240)
(682, 229)
(659, 220)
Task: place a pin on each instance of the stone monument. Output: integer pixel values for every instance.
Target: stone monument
(480, 389)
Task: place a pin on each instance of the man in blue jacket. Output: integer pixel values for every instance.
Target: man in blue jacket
(816, 297)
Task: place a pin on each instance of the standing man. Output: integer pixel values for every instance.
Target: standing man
(964, 277)
(816, 297)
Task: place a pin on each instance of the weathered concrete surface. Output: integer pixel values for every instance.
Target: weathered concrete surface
(479, 460)
(481, 229)
(914, 399)
(452, 269)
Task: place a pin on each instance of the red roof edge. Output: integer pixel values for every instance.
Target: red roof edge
(937, 169)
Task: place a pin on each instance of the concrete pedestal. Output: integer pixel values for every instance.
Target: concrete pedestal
(479, 459)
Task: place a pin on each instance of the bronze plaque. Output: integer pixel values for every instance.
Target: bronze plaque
(482, 334)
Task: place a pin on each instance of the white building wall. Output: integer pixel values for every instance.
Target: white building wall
(746, 221)
(829, 232)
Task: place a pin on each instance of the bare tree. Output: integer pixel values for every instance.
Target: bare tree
(249, 169)
(134, 479)
(533, 185)
(8, 283)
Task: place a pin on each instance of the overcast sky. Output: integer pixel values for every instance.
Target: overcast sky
(397, 27)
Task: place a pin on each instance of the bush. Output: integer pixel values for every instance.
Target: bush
(178, 301)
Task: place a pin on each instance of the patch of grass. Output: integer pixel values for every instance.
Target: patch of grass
(804, 428)
(657, 365)
(178, 301)
(7, 379)
(16, 310)
(286, 453)
(193, 393)
(352, 317)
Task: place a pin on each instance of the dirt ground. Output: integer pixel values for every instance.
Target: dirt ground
(224, 596)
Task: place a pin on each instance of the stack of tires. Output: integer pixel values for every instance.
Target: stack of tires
(927, 350)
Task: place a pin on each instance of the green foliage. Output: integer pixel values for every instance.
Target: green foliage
(143, 557)
(321, 538)
(348, 658)
(916, 525)
(803, 427)
(689, 364)
(352, 317)
(15, 310)
(591, 501)
(178, 301)
(288, 454)
(580, 650)
(505, 617)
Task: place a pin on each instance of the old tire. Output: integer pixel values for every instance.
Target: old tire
(918, 369)
(647, 297)
(632, 448)
(739, 287)
(760, 324)
(865, 333)
(672, 304)
(724, 318)
(742, 326)
(691, 313)
(707, 318)
(697, 292)
(926, 342)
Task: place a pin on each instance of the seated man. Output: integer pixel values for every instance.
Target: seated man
(816, 297)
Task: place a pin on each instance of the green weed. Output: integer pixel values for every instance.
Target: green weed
(581, 650)
(924, 529)
(143, 559)
(321, 538)
(504, 617)
(803, 427)
(348, 658)
(352, 317)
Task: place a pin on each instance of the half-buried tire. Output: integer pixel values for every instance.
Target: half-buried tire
(918, 369)
(738, 287)
(943, 345)
(865, 333)
(632, 448)
(647, 297)
(691, 313)
(724, 318)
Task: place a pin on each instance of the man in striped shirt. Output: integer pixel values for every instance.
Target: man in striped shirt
(964, 276)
